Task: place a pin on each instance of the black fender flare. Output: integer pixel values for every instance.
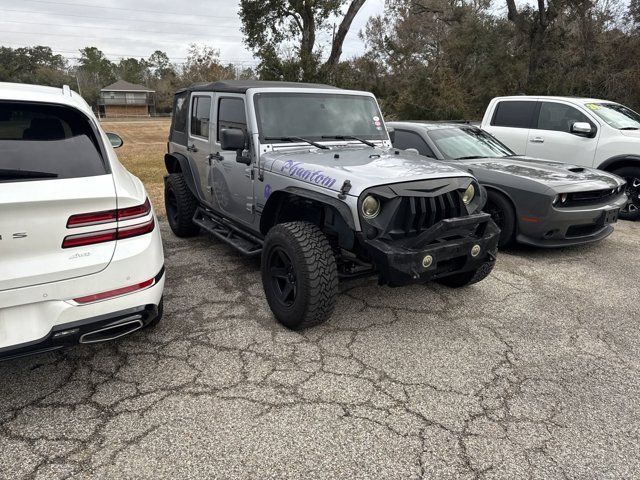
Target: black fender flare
(178, 163)
(619, 161)
(272, 204)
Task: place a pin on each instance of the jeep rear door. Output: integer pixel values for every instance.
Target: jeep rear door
(52, 166)
(199, 138)
(511, 121)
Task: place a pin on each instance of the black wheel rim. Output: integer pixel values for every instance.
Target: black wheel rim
(172, 208)
(633, 193)
(282, 277)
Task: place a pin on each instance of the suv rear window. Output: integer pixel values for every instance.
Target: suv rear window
(55, 141)
(514, 113)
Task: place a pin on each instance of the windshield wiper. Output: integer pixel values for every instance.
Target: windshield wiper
(298, 139)
(350, 137)
(630, 128)
(10, 174)
(471, 157)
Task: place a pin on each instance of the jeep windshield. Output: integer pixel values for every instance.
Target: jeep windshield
(40, 141)
(467, 143)
(616, 115)
(318, 116)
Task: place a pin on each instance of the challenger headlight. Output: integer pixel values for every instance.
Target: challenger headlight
(370, 207)
(469, 194)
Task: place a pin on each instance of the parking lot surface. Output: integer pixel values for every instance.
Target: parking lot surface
(533, 373)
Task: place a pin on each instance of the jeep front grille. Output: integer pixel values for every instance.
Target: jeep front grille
(417, 214)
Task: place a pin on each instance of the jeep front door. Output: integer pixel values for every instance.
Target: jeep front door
(199, 139)
(231, 181)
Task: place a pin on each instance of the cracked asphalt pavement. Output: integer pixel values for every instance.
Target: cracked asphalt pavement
(533, 373)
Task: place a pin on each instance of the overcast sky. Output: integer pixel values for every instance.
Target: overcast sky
(136, 29)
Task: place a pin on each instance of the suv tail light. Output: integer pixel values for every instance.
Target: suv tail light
(115, 293)
(111, 234)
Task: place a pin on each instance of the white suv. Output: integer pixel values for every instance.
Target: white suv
(583, 131)
(80, 254)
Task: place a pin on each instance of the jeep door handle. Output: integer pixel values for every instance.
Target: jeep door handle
(537, 140)
(192, 148)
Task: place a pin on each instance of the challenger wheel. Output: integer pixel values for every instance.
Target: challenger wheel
(180, 205)
(503, 214)
(299, 274)
(459, 280)
(631, 210)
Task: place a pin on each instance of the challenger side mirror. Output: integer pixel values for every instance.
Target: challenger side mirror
(115, 140)
(581, 128)
(232, 139)
(392, 134)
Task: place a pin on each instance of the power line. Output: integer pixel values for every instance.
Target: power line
(41, 34)
(104, 28)
(33, 12)
(69, 4)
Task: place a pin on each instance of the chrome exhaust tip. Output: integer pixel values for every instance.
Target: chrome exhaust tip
(111, 332)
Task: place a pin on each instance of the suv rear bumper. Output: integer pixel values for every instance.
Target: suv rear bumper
(449, 243)
(108, 327)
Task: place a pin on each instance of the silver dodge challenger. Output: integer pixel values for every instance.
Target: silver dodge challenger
(534, 202)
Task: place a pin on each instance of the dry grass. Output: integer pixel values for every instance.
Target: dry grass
(145, 143)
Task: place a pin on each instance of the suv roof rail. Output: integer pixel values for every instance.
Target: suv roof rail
(66, 90)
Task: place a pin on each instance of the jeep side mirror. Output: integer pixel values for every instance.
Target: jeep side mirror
(392, 134)
(581, 128)
(115, 140)
(232, 139)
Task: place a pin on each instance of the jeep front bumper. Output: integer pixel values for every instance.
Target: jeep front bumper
(445, 249)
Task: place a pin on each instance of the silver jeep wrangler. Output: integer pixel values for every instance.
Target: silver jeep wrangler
(305, 176)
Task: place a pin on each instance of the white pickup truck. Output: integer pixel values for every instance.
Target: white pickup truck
(583, 131)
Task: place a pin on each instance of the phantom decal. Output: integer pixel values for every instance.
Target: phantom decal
(296, 169)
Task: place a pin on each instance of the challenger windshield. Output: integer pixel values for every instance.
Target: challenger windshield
(460, 143)
(617, 116)
(318, 116)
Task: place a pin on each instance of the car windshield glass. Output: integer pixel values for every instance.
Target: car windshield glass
(39, 141)
(459, 143)
(318, 116)
(616, 116)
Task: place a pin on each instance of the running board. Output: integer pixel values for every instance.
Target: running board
(222, 229)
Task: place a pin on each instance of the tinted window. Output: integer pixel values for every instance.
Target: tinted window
(316, 115)
(231, 114)
(406, 139)
(180, 111)
(200, 116)
(53, 140)
(559, 117)
(518, 114)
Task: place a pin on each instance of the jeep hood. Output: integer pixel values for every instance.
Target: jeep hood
(363, 167)
(546, 173)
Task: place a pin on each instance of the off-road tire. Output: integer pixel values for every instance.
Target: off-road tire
(504, 215)
(314, 269)
(459, 280)
(629, 174)
(180, 214)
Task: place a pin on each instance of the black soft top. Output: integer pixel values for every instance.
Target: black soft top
(241, 86)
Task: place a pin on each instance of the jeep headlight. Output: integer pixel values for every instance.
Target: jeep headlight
(370, 207)
(469, 194)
